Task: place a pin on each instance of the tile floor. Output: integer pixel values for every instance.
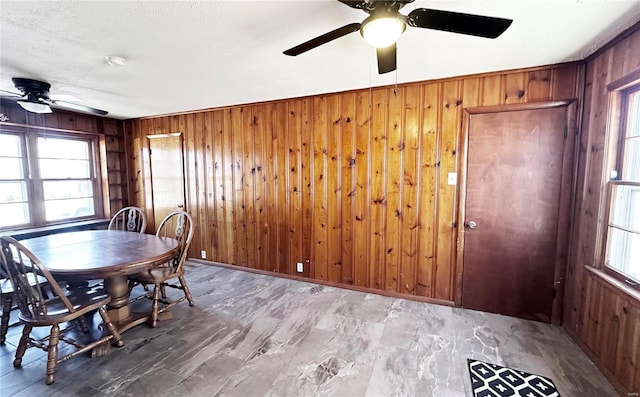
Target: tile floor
(255, 335)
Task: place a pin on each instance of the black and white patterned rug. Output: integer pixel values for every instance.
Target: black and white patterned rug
(491, 380)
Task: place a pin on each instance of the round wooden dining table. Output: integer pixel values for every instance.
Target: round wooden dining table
(111, 255)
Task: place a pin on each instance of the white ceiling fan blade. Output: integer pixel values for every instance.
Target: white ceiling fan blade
(64, 97)
(11, 94)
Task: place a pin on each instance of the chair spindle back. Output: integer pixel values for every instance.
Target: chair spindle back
(130, 219)
(22, 268)
(178, 225)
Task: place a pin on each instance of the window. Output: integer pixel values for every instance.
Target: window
(623, 232)
(47, 178)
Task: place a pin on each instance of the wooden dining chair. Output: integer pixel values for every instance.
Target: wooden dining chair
(177, 225)
(6, 297)
(130, 219)
(37, 311)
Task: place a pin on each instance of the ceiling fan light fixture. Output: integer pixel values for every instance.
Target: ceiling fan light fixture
(33, 105)
(115, 60)
(382, 30)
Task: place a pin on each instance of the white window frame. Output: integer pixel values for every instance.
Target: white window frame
(618, 121)
(34, 182)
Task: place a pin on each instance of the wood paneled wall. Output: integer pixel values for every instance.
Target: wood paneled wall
(115, 182)
(353, 184)
(598, 314)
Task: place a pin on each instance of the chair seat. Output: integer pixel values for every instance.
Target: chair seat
(156, 275)
(82, 300)
(7, 288)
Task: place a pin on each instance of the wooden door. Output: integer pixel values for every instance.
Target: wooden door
(516, 167)
(167, 175)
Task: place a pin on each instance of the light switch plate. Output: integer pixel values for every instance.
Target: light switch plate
(452, 178)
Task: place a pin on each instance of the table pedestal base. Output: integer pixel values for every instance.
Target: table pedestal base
(119, 310)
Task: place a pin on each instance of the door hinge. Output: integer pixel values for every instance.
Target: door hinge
(554, 292)
(566, 132)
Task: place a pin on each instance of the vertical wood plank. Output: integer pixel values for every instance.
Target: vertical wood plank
(278, 211)
(363, 181)
(632, 61)
(450, 122)
(261, 133)
(334, 188)
(249, 180)
(271, 248)
(411, 171)
(539, 85)
(239, 186)
(395, 150)
(348, 166)
(319, 195)
(227, 185)
(307, 184)
(378, 196)
(207, 124)
(491, 90)
(428, 205)
(515, 88)
(628, 346)
(294, 188)
(564, 82)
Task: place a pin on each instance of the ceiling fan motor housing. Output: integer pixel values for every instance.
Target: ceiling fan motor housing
(30, 86)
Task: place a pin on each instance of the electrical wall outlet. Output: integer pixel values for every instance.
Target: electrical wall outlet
(203, 254)
(299, 267)
(452, 178)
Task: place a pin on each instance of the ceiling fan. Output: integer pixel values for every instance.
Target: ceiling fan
(385, 25)
(34, 97)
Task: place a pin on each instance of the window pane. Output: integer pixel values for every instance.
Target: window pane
(13, 192)
(14, 214)
(626, 207)
(633, 116)
(624, 252)
(61, 169)
(67, 189)
(11, 168)
(10, 145)
(63, 209)
(59, 148)
(631, 166)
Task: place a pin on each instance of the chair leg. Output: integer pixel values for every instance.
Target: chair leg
(22, 346)
(7, 301)
(187, 293)
(163, 291)
(112, 328)
(154, 306)
(52, 352)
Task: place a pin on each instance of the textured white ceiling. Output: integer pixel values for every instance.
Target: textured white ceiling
(188, 55)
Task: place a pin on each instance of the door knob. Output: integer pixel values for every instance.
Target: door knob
(471, 224)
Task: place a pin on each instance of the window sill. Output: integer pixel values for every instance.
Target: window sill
(620, 285)
(55, 229)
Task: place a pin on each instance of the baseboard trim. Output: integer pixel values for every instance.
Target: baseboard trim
(390, 294)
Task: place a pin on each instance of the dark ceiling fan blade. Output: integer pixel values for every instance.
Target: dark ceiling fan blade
(359, 4)
(386, 59)
(323, 39)
(474, 25)
(78, 107)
